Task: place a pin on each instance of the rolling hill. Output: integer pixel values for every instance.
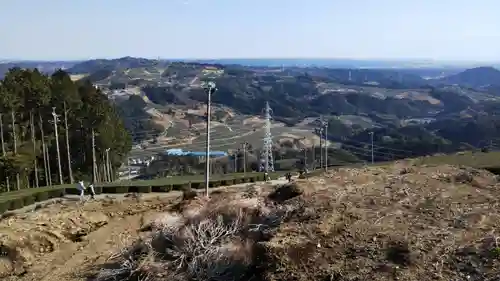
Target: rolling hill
(478, 77)
(407, 111)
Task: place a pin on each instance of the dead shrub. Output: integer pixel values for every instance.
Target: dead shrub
(251, 191)
(285, 192)
(188, 194)
(399, 253)
(211, 239)
(406, 170)
(463, 177)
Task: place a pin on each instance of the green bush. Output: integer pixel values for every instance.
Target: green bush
(197, 185)
(215, 183)
(18, 199)
(15, 203)
(227, 182)
(145, 189)
(115, 189)
(29, 200)
(139, 189)
(72, 191)
(98, 189)
(41, 196)
(56, 193)
(4, 206)
(161, 188)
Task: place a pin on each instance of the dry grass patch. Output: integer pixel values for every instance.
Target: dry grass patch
(397, 222)
(202, 239)
(392, 223)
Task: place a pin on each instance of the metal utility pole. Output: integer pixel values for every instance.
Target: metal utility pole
(313, 157)
(305, 158)
(56, 119)
(373, 157)
(7, 180)
(210, 89)
(325, 126)
(108, 166)
(236, 162)
(245, 157)
(94, 165)
(320, 147)
(267, 160)
(70, 170)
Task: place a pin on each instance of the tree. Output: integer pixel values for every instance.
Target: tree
(30, 96)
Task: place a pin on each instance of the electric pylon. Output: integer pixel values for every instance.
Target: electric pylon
(267, 162)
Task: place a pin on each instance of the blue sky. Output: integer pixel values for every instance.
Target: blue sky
(382, 29)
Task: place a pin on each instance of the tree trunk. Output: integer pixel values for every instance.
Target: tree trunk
(33, 140)
(44, 150)
(7, 179)
(104, 172)
(48, 165)
(70, 170)
(14, 137)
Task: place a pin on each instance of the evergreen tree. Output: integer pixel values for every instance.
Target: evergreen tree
(27, 93)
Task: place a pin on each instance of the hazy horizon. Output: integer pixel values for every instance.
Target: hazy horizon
(384, 30)
(408, 60)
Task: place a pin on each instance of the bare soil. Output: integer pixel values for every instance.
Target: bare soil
(399, 222)
(57, 241)
(395, 222)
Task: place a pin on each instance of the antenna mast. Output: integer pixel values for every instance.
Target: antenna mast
(267, 162)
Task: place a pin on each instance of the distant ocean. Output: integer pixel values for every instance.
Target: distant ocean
(337, 63)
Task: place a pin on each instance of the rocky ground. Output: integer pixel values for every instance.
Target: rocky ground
(398, 222)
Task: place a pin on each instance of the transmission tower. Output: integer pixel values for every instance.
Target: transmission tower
(267, 162)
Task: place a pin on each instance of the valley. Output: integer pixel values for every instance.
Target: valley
(397, 105)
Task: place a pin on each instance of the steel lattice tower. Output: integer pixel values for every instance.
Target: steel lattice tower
(267, 162)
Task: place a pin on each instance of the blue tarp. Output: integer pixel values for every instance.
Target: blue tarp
(180, 152)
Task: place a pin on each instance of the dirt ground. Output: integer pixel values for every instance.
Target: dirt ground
(63, 238)
(391, 223)
(55, 242)
(397, 222)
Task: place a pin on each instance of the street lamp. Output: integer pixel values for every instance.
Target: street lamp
(210, 88)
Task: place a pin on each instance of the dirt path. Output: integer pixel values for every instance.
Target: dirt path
(61, 240)
(71, 260)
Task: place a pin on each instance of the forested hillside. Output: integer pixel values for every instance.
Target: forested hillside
(29, 145)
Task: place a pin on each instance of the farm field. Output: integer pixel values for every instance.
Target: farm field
(231, 137)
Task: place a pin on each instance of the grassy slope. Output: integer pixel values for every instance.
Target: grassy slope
(473, 159)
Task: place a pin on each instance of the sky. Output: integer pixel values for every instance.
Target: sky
(465, 30)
